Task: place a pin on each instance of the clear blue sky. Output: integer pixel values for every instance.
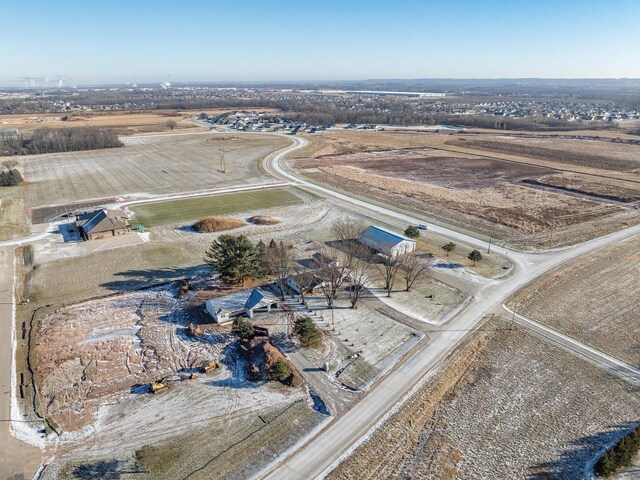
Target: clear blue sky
(141, 41)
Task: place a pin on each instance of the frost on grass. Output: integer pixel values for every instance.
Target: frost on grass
(505, 405)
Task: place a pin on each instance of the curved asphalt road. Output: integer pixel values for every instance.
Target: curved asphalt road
(316, 457)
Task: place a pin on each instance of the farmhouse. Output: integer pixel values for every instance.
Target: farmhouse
(102, 223)
(245, 302)
(387, 242)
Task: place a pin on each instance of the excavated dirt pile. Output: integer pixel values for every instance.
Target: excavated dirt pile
(261, 354)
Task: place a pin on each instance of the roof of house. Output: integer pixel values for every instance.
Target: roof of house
(249, 299)
(104, 221)
(309, 279)
(383, 236)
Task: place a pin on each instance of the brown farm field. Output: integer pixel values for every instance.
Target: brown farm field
(595, 299)
(542, 409)
(524, 202)
(124, 122)
(147, 166)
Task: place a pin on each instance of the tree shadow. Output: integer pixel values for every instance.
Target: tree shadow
(136, 279)
(105, 470)
(448, 265)
(572, 462)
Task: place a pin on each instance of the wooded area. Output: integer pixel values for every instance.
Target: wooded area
(54, 140)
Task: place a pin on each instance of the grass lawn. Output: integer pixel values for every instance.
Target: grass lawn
(12, 217)
(190, 209)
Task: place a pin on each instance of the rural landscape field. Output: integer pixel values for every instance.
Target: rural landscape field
(219, 259)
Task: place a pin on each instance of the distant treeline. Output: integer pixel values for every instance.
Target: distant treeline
(54, 140)
(384, 111)
(316, 112)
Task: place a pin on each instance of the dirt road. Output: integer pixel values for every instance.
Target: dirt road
(17, 459)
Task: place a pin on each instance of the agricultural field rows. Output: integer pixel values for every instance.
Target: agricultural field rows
(146, 166)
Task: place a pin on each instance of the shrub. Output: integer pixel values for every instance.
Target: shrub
(620, 455)
(264, 220)
(10, 178)
(217, 224)
(243, 328)
(279, 370)
(412, 231)
(310, 335)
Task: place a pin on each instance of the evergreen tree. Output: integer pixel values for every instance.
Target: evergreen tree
(235, 257)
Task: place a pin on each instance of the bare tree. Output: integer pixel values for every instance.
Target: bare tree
(348, 232)
(278, 260)
(412, 269)
(360, 278)
(389, 271)
(171, 124)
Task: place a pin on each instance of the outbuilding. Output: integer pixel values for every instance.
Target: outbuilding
(245, 302)
(387, 242)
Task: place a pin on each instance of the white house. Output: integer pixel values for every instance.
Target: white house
(387, 242)
(223, 309)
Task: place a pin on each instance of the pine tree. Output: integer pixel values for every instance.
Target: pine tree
(235, 257)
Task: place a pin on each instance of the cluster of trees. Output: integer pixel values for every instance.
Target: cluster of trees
(10, 178)
(53, 140)
(620, 455)
(238, 259)
(474, 255)
(355, 267)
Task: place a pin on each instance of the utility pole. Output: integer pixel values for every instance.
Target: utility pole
(513, 316)
(223, 167)
(489, 246)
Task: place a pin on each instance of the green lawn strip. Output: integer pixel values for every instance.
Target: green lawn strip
(190, 209)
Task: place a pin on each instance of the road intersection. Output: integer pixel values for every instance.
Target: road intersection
(317, 456)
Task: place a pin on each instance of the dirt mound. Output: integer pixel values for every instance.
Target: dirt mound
(261, 355)
(264, 220)
(217, 224)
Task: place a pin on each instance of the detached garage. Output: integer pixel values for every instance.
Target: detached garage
(387, 242)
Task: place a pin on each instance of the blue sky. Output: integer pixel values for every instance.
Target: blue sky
(149, 41)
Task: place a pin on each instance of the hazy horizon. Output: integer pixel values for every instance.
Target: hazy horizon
(254, 42)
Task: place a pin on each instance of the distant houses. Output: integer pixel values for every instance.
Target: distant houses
(102, 224)
(385, 241)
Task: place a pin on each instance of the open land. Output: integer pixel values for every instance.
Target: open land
(124, 327)
(594, 300)
(525, 202)
(541, 408)
(146, 166)
(125, 122)
(13, 221)
(176, 211)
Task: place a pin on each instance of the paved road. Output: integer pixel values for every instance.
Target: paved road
(613, 365)
(315, 458)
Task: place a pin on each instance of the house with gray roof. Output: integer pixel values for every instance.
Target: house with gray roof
(102, 223)
(246, 302)
(385, 241)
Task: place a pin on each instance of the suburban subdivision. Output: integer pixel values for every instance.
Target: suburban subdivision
(340, 240)
(355, 303)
